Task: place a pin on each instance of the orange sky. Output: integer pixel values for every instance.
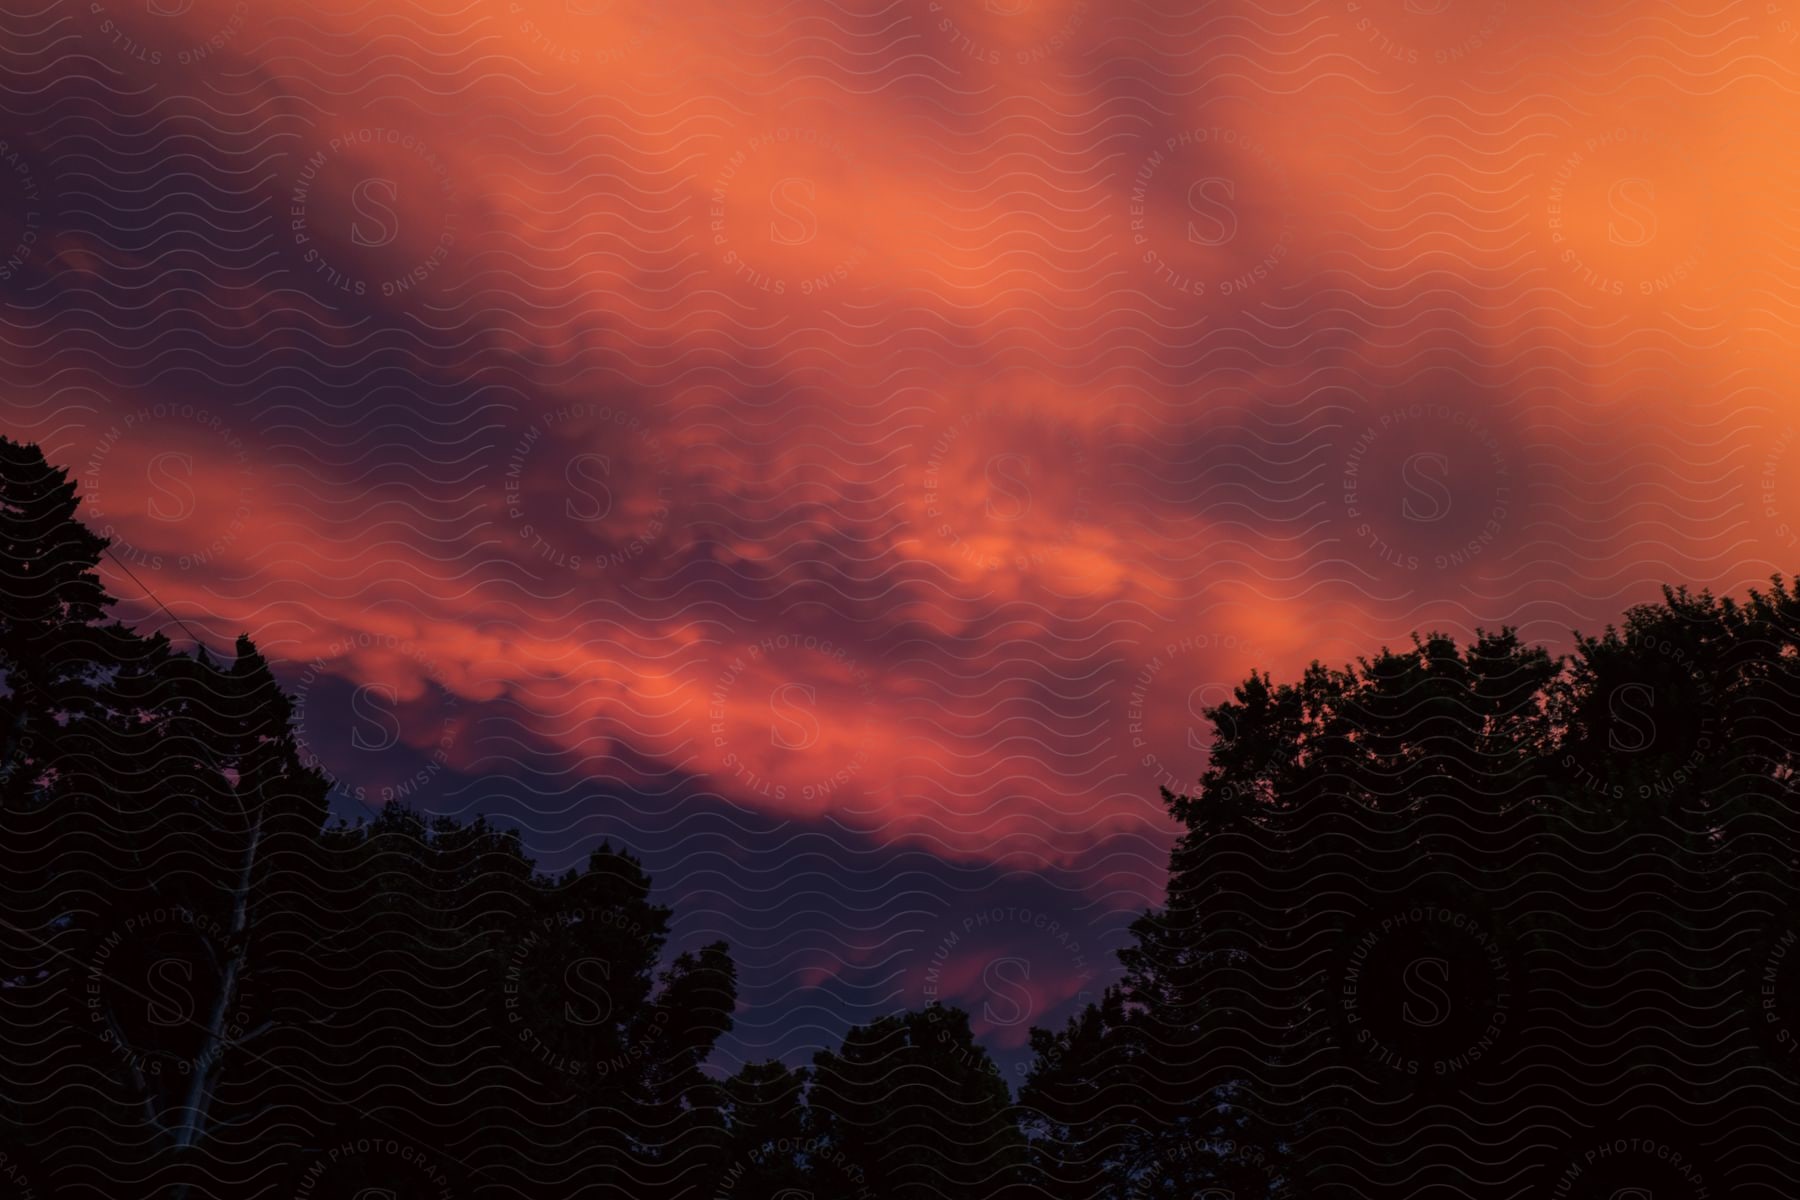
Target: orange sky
(901, 416)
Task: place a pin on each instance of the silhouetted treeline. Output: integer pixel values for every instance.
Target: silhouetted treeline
(1453, 920)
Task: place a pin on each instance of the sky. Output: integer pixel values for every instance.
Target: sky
(837, 449)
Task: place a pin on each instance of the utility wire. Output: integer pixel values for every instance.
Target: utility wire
(155, 598)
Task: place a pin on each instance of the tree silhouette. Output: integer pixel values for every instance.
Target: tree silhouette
(1453, 917)
(1461, 919)
(911, 1107)
(214, 993)
(771, 1148)
(155, 821)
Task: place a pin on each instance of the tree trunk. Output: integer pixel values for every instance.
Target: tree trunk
(191, 1124)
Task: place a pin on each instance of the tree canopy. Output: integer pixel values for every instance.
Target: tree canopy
(1469, 920)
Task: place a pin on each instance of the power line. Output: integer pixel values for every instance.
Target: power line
(107, 550)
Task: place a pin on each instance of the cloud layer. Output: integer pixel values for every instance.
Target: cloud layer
(870, 434)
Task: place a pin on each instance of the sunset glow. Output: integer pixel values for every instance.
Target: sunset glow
(838, 450)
